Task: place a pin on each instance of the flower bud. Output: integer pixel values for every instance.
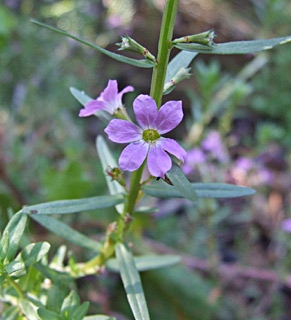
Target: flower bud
(129, 44)
(205, 38)
(182, 74)
(116, 175)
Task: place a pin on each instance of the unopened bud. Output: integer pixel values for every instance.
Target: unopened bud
(116, 175)
(182, 74)
(129, 44)
(205, 38)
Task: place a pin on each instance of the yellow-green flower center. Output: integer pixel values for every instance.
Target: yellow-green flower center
(150, 135)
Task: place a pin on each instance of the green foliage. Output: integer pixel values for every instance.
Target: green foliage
(70, 182)
(66, 232)
(237, 47)
(202, 190)
(34, 283)
(147, 262)
(118, 57)
(108, 161)
(181, 183)
(131, 282)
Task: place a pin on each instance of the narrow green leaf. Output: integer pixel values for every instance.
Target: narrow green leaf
(203, 190)
(46, 314)
(55, 297)
(66, 232)
(34, 252)
(107, 160)
(70, 304)
(181, 183)
(59, 258)
(181, 60)
(236, 47)
(80, 96)
(84, 99)
(72, 206)
(147, 262)
(28, 309)
(14, 266)
(118, 57)
(62, 278)
(145, 209)
(4, 244)
(81, 311)
(2, 279)
(99, 317)
(12, 313)
(131, 282)
(15, 229)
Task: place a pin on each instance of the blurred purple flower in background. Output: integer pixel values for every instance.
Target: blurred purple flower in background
(244, 163)
(194, 157)
(286, 225)
(213, 143)
(109, 100)
(147, 141)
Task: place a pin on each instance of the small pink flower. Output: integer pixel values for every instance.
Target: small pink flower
(109, 100)
(147, 141)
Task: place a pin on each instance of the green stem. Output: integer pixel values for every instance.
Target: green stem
(157, 87)
(160, 69)
(133, 189)
(16, 287)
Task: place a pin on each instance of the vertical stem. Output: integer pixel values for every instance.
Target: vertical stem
(157, 85)
(133, 189)
(166, 34)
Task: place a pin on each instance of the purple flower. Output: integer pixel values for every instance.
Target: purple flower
(147, 141)
(286, 225)
(213, 144)
(109, 100)
(244, 163)
(194, 156)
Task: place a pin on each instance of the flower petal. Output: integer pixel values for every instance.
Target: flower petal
(91, 107)
(109, 94)
(125, 90)
(133, 156)
(169, 116)
(159, 161)
(145, 109)
(173, 147)
(122, 131)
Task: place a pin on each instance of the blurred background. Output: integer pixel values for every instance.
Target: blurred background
(236, 253)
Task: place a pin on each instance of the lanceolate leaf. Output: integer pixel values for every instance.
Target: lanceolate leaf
(34, 252)
(181, 60)
(80, 96)
(14, 230)
(147, 262)
(107, 160)
(236, 47)
(131, 282)
(45, 314)
(28, 256)
(66, 232)
(28, 309)
(181, 183)
(203, 190)
(118, 57)
(72, 206)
